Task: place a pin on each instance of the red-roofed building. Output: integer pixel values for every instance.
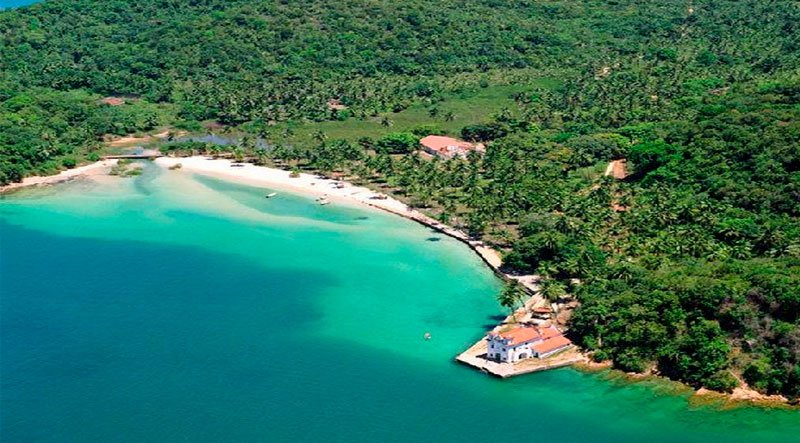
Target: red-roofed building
(448, 147)
(525, 342)
(617, 169)
(550, 346)
(113, 101)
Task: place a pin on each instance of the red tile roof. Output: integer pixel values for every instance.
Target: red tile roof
(113, 101)
(520, 335)
(549, 332)
(448, 146)
(551, 344)
(619, 170)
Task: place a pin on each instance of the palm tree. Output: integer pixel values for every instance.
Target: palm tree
(512, 296)
(319, 136)
(552, 289)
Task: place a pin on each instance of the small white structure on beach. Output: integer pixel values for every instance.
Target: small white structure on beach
(525, 342)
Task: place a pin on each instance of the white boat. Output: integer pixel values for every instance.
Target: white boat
(271, 194)
(323, 201)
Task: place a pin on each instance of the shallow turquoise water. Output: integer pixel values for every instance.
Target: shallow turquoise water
(171, 307)
(17, 3)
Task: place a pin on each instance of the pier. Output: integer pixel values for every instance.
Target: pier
(143, 156)
(476, 355)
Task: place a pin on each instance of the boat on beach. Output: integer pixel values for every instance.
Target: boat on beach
(323, 200)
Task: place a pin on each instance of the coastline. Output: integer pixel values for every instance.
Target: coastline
(341, 191)
(335, 190)
(96, 168)
(128, 140)
(313, 185)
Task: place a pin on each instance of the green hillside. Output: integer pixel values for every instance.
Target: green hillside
(690, 266)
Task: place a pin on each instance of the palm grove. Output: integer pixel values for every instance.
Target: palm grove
(690, 266)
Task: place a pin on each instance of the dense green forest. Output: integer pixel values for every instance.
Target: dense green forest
(690, 266)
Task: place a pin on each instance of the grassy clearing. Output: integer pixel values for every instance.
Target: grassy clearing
(468, 107)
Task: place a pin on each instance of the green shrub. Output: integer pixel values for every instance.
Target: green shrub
(722, 381)
(398, 143)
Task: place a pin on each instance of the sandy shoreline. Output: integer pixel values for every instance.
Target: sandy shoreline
(96, 168)
(345, 192)
(132, 139)
(335, 191)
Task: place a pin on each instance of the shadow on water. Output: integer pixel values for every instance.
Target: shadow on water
(116, 333)
(143, 183)
(433, 239)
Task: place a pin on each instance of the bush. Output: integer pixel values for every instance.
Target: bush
(398, 143)
(69, 162)
(423, 130)
(722, 381)
(484, 132)
(757, 374)
(629, 361)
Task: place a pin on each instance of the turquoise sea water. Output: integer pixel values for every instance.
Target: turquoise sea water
(178, 308)
(17, 3)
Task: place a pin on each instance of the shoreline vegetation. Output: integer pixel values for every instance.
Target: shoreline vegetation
(344, 192)
(682, 259)
(100, 167)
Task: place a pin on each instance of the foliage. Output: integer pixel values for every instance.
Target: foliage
(690, 265)
(42, 130)
(512, 295)
(398, 143)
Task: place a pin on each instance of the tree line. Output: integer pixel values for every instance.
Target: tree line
(690, 266)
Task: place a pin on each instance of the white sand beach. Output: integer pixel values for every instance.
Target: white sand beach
(334, 190)
(96, 168)
(343, 192)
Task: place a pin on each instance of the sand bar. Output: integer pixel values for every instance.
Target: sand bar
(336, 190)
(132, 139)
(96, 168)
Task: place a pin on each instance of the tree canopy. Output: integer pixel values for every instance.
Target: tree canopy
(690, 264)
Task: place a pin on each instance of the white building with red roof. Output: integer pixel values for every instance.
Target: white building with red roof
(525, 342)
(448, 147)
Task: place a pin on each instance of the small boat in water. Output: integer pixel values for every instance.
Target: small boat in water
(323, 201)
(271, 194)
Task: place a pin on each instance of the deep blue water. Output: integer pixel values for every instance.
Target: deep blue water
(174, 308)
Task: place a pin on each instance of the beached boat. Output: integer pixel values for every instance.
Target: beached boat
(323, 201)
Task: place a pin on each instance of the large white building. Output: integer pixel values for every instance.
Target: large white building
(525, 342)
